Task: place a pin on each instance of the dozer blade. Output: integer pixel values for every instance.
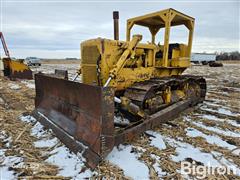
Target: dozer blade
(16, 69)
(80, 115)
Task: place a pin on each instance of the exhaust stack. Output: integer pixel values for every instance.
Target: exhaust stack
(116, 24)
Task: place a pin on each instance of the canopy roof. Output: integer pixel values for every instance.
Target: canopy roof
(159, 18)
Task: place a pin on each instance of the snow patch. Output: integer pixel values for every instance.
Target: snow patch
(70, 164)
(46, 142)
(6, 163)
(7, 140)
(237, 151)
(157, 166)
(125, 159)
(216, 130)
(37, 130)
(211, 117)
(226, 162)
(5, 173)
(226, 112)
(220, 111)
(214, 118)
(157, 140)
(185, 150)
(30, 84)
(27, 119)
(210, 139)
(14, 86)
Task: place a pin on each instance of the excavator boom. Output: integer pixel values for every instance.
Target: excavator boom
(4, 45)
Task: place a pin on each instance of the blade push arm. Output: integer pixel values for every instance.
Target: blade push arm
(123, 59)
(126, 103)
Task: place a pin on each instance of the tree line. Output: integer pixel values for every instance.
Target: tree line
(235, 55)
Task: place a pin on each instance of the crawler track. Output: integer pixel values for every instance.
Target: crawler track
(153, 90)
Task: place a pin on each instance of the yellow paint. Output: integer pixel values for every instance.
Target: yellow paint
(14, 65)
(167, 96)
(180, 94)
(127, 62)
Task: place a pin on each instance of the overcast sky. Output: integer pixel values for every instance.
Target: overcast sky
(55, 29)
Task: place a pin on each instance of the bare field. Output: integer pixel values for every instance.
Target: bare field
(207, 135)
(230, 62)
(64, 61)
(59, 61)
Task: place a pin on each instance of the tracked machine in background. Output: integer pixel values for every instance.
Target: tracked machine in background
(14, 69)
(142, 83)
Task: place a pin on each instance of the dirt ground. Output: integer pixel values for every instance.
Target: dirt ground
(59, 61)
(210, 133)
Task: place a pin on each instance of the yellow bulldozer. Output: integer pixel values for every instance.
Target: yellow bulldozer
(127, 87)
(14, 69)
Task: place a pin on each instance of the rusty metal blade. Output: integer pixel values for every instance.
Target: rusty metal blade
(80, 115)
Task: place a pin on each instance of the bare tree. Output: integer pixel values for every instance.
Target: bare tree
(235, 55)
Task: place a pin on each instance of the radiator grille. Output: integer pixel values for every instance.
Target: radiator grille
(90, 55)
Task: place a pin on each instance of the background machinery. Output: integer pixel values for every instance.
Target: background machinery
(14, 68)
(140, 82)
